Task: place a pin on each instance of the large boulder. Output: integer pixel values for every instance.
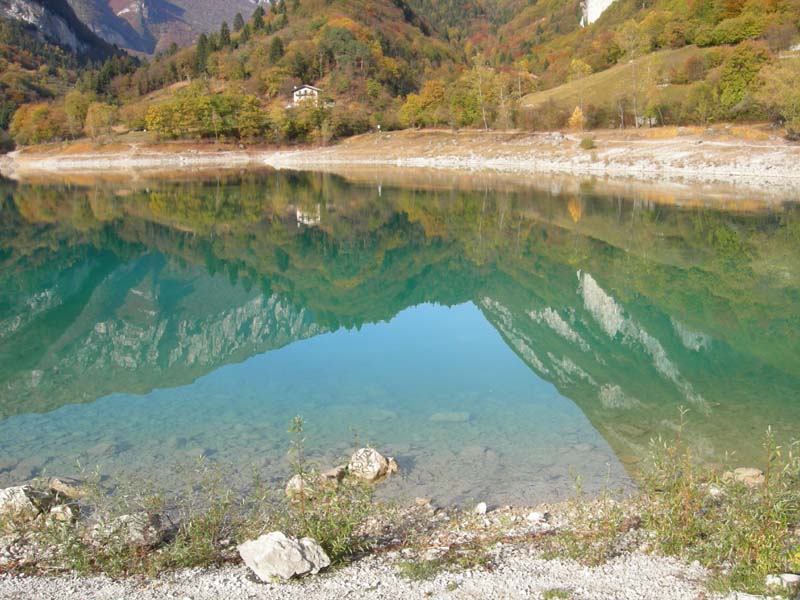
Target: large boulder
(370, 465)
(276, 555)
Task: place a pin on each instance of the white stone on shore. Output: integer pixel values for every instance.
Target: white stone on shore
(536, 517)
(786, 581)
(63, 513)
(369, 464)
(480, 508)
(17, 502)
(276, 555)
(296, 487)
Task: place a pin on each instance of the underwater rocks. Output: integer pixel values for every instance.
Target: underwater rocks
(276, 555)
(747, 475)
(366, 463)
(451, 417)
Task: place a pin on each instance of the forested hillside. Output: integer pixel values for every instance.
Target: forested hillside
(532, 64)
(44, 48)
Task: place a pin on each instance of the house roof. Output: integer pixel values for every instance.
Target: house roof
(307, 87)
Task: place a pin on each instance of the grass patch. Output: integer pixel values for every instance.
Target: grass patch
(462, 557)
(556, 594)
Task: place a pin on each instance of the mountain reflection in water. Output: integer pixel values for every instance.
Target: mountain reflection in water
(500, 342)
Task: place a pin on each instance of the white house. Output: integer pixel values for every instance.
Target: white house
(305, 92)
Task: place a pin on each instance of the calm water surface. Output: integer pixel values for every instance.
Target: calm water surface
(501, 344)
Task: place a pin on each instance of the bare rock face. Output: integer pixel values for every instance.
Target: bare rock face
(370, 465)
(276, 555)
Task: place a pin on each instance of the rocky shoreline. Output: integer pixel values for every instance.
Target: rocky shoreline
(711, 157)
(56, 542)
(520, 574)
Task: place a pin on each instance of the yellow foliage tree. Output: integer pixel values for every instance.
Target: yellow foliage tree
(577, 121)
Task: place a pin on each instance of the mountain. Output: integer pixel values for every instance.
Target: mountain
(150, 26)
(54, 22)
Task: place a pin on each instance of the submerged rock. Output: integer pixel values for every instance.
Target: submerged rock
(276, 555)
(335, 474)
(370, 465)
(67, 487)
(747, 475)
(451, 417)
(102, 449)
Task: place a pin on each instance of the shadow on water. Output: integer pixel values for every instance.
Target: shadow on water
(501, 343)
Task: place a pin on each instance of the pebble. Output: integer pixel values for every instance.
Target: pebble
(519, 576)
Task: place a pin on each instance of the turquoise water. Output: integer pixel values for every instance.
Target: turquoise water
(500, 345)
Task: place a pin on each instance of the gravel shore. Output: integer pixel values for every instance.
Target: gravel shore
(721, 156)
(519, 574)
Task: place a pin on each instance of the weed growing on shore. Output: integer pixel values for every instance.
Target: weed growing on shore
(465, 557)
(741, 530)
(556, 594)
(325, 509)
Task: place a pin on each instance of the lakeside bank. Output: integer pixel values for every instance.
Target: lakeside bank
(690, 532)
(737, 161)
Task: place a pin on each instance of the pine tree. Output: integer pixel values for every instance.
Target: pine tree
(245, 35)
(201, 54)
(238, 22)
(258, 18)
(224, 35)
(276, 49)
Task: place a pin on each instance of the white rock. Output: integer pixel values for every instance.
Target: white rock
(296, 487)
(788, 581)
(63, 513)
(480, 508)
(369, 464)
(535, 517)
(16, 501)
(276, 555)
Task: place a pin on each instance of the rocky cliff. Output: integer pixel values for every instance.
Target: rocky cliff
(54, 21)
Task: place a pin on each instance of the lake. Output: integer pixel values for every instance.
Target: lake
(504, 344)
